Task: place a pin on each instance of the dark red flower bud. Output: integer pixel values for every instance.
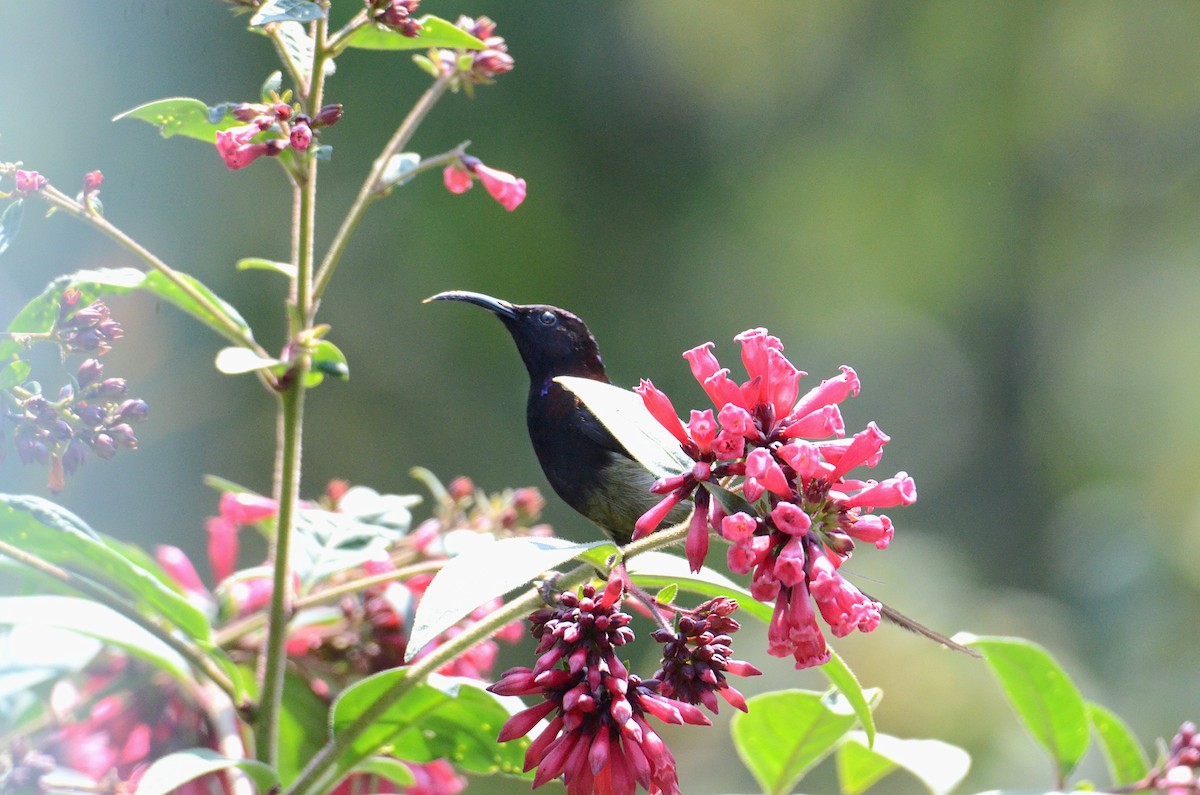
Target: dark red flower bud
(327, 116)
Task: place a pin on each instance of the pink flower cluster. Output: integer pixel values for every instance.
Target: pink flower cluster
(500, 185)
(801, 513)
(271, 130)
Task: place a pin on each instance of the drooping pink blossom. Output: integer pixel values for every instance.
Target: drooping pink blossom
(457, 179)
(508, 190)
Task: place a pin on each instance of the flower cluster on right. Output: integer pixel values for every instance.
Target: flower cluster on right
(783, 458)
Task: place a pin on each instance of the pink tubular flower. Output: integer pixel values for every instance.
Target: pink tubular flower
(29, 181)
(235, 147)
(802, 512)
(508, 190)
(457, 178)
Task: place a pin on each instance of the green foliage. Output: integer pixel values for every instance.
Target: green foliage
(41, 528)
(1126, 760)
(39, 315)
(624, 414)
(10, 223)
(439, 717)
(174, 770)
(482, 572)
(939, 766)
(435, 32)
(303, 726)
(94, 620)
(258, 263)
(184, 116)
(786, 733)
(1041, 693)
(287, 11)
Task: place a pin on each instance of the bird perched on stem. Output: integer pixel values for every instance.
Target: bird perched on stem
(586, 466)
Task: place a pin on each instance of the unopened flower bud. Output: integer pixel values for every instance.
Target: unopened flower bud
(89, 372)
(132, 410)
(248, 112)
(122, 434)
(74, 457)
(327, 116)
(461, 488)
(109, 389)
(92, 415)
(283, 111)
(104, 446)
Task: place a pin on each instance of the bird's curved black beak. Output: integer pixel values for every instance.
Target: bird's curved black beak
(502, 309)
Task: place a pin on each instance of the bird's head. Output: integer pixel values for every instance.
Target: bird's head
(552, 341)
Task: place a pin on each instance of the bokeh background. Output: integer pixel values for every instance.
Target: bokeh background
(988, 209)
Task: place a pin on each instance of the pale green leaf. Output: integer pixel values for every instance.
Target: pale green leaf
(235, 361)
(484, 571)
(174, 770)
(435, 32)
(941, 767)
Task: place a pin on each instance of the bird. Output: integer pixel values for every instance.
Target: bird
(584, 463)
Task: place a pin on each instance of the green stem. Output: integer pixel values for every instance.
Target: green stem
(287, 491)
(370, 190)
(339, 40)
(232, 632)
(188, 651)
(219, 320)
(273, 661)
(316, 775)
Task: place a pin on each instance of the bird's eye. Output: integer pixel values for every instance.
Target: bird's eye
(548, 318)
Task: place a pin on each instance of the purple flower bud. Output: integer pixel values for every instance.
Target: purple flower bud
(104, 446)
(248, 112)
(61, 430)
(66, 393)
(35, 406)
(108, 389)
(122, 434)
(327, 116)
(89, 372)
(133, 410)
(91, 415)
(73, 459)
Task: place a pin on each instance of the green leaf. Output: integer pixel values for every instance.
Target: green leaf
(626, 417)
(1042, 695)
(390, 769)
(42, 528)
(39, 315)
(786, 733)
(287, 11)
(442, 717)
(303, 726)
(184, 116)
(94, 620)
(258, 263)
(435, 32)
(730, 502)
(235, 361)
(10, 223)
(1127, 761)
(13, 373)
(271, 86)
(482, 572)
(174, 770)
(940, 766)
(667, 595)
(841, 677)
(327, 360)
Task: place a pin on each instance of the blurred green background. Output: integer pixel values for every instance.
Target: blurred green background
(988, 209)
